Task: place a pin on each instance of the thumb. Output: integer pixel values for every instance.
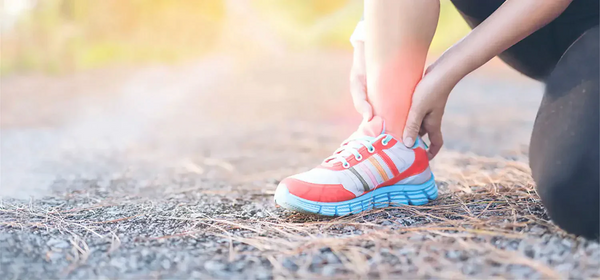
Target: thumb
(412, 127)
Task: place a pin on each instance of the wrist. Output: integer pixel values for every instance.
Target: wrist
(358, 61)
(452, 66)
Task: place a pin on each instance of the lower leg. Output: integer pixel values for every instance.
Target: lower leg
(398, 35)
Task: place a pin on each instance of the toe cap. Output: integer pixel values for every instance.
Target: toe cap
(316, 192)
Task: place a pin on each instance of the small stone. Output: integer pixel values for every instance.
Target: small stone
(405, 251)
(557, 256)
(386, 223)
(120, 263)
(317, 260)
(58, 243)
(565, 267)
(52, 256)
(567, 243)
(289, 264)
(593, 247)
(4, 236)
(416, 237)
(237, 266)
(329, 271)
(263, 274)
(145, 252)
(214, 266)
(332, 258)
(166, 264)
(349, 228)
(452, 255)
(197, 275)
(132, 263)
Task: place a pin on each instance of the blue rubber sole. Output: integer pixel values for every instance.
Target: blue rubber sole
(394, 195)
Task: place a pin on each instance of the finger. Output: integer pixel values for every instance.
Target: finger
(359, 98)
(413, 125)
(422, 131)
(437, 141)
(364, 108)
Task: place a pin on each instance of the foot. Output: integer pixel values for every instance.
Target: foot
(370, 170)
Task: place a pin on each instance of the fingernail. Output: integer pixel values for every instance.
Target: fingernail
(409, 142)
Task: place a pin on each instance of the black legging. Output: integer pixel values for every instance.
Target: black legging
(564, 149)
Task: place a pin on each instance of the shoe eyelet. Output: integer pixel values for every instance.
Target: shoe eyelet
(371, 150)
(346, 165)
(385, 143)
(359, 157)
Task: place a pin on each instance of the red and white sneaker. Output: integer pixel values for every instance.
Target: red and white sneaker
(370, 170)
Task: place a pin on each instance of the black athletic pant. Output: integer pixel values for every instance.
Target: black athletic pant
(564, 148)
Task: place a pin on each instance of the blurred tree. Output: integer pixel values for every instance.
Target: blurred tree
(67, 35)
(58, 35)
(310, 23)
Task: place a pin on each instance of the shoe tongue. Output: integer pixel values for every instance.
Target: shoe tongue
(372, 128)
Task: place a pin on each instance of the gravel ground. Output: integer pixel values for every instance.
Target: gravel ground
(169, 172)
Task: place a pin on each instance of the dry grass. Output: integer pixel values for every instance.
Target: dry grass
(483, 201)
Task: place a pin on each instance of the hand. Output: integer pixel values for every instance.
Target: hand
(358, 83)
(427, 108)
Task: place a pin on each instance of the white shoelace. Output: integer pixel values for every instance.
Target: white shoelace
(351, 147)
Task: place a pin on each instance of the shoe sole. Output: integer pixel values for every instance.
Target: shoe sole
(393, 195)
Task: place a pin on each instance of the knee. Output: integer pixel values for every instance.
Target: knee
(564, 153)
(571, 199)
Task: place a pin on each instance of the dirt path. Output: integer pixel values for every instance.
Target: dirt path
(168, 172)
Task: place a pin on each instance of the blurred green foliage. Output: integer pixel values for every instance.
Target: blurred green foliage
(66, 35)
(451, 28)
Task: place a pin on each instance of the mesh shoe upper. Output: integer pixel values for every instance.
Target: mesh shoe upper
(360, 166)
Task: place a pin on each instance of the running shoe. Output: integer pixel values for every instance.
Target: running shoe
(370, 170)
